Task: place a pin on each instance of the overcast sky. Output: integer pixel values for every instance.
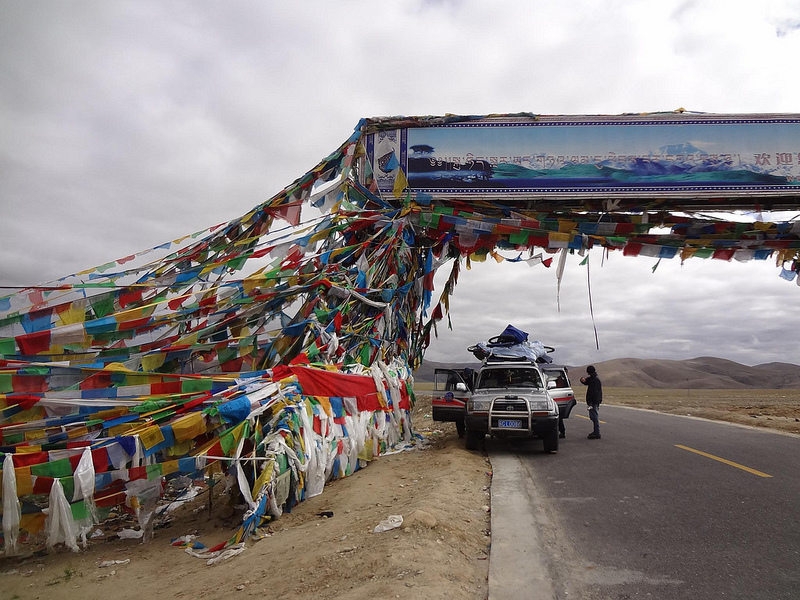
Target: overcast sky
(124, 125)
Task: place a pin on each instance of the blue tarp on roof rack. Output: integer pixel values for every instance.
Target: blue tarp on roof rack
(512, 344)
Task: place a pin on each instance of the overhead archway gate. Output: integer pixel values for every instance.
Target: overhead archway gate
(279, 347)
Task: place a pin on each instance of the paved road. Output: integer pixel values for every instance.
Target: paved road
(662, 507)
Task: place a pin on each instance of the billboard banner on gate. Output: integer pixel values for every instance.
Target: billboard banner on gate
(671, 154)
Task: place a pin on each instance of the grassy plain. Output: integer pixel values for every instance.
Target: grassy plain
(774, 409)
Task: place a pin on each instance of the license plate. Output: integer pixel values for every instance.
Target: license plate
(510, 424)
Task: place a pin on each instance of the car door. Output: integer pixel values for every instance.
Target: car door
(449, 398)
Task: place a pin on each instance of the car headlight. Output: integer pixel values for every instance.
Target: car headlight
(540, 405)
(480, 405)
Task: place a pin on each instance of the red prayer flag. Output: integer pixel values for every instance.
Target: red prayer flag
(34, 343)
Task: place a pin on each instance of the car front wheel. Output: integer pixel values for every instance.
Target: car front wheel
(551, 441)
(473, 439)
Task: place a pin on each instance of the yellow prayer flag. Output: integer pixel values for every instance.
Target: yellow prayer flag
(478, 257)
(120, 429)
(134, 314)
(564, 238)
(169, 466)
(264, 478)
(366, 452)
(111, 413)
(151, 436)
(565, 226)
(32, 523)
(24, 481)
(190, 340)
(400, 183)
(180, 448)
(77, 432)
(326, 404)
(35, 434)
(189, 426)
(151, 362)
(75, 314)
(30, 449)
(252, 282)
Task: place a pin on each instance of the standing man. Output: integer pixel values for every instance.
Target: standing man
(594, 396)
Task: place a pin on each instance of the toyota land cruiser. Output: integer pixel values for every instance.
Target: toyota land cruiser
(511, 400)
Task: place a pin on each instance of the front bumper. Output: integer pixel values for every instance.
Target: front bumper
(531, 426)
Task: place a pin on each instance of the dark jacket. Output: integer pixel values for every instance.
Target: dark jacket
(594, 390)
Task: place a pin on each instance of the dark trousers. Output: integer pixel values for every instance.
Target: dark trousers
(593, 409)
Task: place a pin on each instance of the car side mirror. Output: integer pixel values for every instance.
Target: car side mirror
(551, 384)
(461, 387)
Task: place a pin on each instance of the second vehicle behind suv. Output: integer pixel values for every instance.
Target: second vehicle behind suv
(561, 391)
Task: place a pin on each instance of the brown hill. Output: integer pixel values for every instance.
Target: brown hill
(697, 373)
(426, 370)
(705, 372)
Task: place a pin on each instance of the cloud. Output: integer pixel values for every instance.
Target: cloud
(731, 310)
(785, 27)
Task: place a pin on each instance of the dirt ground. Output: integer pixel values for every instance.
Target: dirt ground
(774, 409)
(442, 551)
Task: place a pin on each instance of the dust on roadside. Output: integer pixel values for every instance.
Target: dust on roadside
(325, 548)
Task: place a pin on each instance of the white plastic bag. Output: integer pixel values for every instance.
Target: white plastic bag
(389, 523)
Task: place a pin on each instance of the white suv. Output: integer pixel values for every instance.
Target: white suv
(511, 399)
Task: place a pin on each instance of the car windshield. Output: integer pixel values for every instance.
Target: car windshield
(501, 378)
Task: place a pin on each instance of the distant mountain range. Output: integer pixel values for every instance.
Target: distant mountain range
(696, 373)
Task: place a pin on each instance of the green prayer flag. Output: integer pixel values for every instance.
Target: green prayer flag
(226, 354)
(55, 468)
(104, 306)
(9, 439)
(429, 220)
(7, 346)
(154, 471)
(519, 238)
(283, 463)
(366, 351)
(196, 385)
(227, 441)
(79, 510)
(35, 371)
(5, 383)
(68, 484)
(10, 319)
(236, 263)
